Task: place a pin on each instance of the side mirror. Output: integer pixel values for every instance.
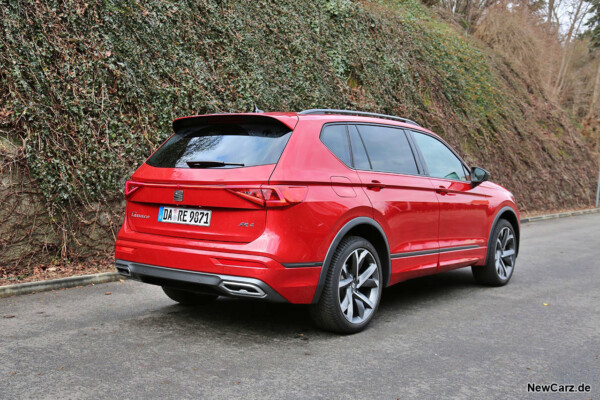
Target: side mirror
(479, 175)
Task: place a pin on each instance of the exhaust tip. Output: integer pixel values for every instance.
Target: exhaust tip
(242, 289)
(123, 269)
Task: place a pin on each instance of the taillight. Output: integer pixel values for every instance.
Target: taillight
(131, 187)
(293, 194)
(251, 194)
(272, 196)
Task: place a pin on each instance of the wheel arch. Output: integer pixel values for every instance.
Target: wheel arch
(509, 214)
(364, 227)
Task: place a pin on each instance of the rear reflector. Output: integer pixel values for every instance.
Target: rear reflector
(239, 263)
(128, 250)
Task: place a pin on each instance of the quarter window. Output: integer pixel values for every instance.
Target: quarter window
(335, 138)
(388, 149)
(441, 161)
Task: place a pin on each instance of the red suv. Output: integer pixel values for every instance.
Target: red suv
(320, 207)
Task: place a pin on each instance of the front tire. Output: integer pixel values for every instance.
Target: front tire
(187, 298)
(501, 257)
(352, 289)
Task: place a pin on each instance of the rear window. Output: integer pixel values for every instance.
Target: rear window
(240, 144)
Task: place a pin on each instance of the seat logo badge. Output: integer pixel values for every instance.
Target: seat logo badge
(178, 195)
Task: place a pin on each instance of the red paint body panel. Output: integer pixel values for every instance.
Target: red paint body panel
(247, 239)
(464, 212)
(408, 210)
(204, 189)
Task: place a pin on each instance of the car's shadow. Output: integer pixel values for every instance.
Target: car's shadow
(284, 320)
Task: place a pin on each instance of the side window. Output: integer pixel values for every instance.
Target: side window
(441, 161)
(388, 149)
(359, 154)
(336, 140)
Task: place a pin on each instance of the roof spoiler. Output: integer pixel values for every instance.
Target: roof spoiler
(194, 120)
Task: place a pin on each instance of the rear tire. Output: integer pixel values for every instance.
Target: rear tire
(501, 257)
(352, 289)
(187, 298)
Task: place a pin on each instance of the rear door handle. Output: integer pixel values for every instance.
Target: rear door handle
(376, 186)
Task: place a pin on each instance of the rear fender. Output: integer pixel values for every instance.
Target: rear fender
(342, 233)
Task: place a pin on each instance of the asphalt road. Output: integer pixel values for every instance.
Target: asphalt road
(435, 337)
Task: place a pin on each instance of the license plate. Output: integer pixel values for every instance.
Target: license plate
(185, 216)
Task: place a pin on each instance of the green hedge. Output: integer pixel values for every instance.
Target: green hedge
(93, 86)
(90, 87)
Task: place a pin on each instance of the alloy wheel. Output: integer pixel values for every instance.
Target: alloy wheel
(359, 286)
(505, 253)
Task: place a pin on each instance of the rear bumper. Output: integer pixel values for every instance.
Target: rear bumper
(225, 285)
(219, 272)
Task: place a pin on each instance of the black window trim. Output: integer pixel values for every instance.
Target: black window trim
(364, 147)
(417, 151)
(420, 168)
(349, 145)
(410, 132)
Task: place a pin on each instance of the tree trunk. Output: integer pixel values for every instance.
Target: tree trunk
(596, 92)
(550, 10)
(575, 22)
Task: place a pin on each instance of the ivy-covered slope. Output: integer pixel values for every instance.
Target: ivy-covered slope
(88, 89)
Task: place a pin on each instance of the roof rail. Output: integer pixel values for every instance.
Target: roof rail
(359, 113)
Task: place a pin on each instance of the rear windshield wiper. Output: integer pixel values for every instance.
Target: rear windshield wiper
(211, 164)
